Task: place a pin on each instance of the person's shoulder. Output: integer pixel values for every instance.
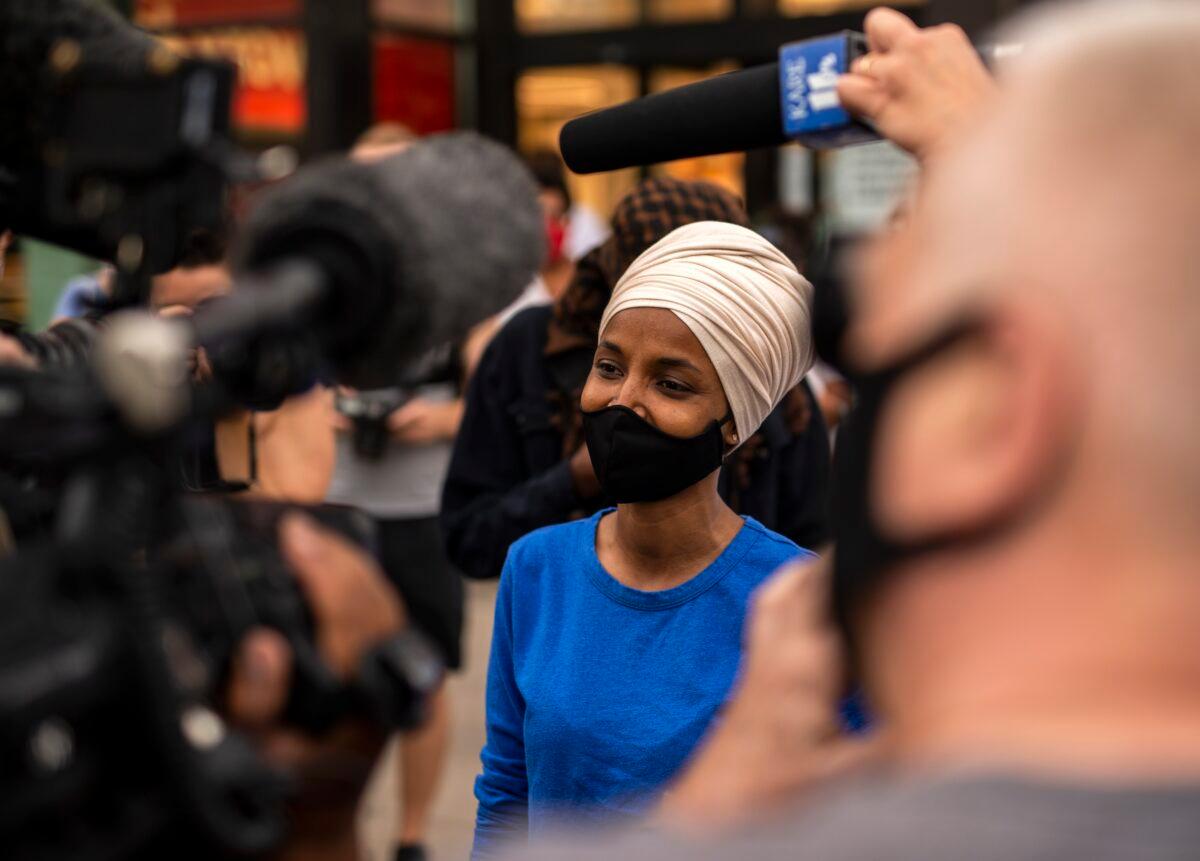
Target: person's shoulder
(512, 348)
(771, 547)
(549, 546)
(526, 326)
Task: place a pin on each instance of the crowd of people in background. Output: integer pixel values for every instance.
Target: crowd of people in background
(640, 441)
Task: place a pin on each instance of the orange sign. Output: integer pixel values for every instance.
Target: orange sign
(167, 14)
(271, 62)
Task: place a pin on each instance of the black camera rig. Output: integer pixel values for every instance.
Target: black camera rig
(125, 596)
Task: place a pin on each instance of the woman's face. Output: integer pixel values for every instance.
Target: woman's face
(650, 362)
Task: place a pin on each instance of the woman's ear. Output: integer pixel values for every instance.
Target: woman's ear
(729, 431)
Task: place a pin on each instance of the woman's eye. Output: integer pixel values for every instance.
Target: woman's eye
(674, 387)
(607, 369)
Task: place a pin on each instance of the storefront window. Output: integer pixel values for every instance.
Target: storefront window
(688, 10)
(547, 98)
(796, 8)
(543, 16)
(435, 15)
(168, 14)
(724, 170)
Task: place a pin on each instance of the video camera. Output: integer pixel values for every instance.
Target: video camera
(125, 595)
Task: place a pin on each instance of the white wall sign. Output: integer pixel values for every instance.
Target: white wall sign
(861, 185)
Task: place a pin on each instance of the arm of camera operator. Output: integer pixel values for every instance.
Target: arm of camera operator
(296, 450)
(354, 609)
(778, 736)
(421, 421)
(919, 87)
(13, 354)
(66, 344)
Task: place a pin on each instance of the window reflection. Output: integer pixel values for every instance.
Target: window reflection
(724, 170)
(547, 98)
(435, 15)
(797, 8)
(541, 16)
(689, 10)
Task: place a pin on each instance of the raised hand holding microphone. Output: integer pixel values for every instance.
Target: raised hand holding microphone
(918, 87)
(912, 86)
(779, 734)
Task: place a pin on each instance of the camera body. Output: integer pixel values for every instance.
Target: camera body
(115, 645)
(110, 143)
(226, 577)
(127, 596)
(368, 412)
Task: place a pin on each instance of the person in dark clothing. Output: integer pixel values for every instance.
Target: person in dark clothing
(520, 462)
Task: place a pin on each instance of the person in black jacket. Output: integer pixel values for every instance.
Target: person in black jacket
(520, 462)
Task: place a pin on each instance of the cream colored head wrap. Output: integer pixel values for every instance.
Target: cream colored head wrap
(743, 300)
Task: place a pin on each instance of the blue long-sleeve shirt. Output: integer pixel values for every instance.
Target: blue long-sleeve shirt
(598, 692)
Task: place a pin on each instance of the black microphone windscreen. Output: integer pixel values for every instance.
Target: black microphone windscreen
(417, 247)
(728, 113)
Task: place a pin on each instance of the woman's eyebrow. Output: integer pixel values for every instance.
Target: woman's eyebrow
(672, 362)
(611, 347)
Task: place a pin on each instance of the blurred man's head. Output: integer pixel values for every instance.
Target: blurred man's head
(200, 275)
(1046, 458)
(550, 175)
(382, 140)
(555, 198)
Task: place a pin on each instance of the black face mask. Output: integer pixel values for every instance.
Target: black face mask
(636, 462)
(863, 553)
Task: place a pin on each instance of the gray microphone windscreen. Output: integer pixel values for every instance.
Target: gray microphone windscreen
(416, 248)
(478, 223)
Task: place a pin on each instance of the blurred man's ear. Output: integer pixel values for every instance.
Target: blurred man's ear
(968, 438)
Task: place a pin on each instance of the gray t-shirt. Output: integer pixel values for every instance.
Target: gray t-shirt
(406, 483)
(976, 817)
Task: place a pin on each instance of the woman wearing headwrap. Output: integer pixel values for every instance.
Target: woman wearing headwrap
(617, 637)
(520, 462)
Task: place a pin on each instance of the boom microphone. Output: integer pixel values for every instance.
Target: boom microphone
(365, 265)
(413, 250)
(727, 113)
(794, 99)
